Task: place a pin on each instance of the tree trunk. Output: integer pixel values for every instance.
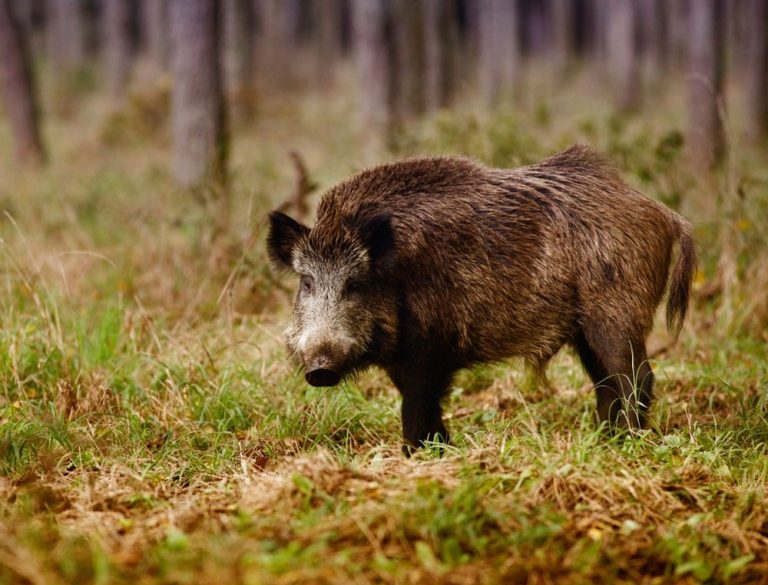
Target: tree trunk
(154, 22)
(327, 20)
(563, 33)
(66, 35)
(757, 71)
(440, 41)
(652, 39)
(677, 17)
(535, 33)
(499, 51)
(277, 40)
(116, 42)
(18, 86)
(372, 42)
(409, 59)
(199, 136)
(622, 54)
(238, 49)
(706, 140)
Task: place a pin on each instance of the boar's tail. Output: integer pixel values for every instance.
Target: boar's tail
(682, 277)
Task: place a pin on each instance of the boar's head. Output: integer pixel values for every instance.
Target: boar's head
(345, 312)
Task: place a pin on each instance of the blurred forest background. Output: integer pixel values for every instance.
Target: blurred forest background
(151, 427)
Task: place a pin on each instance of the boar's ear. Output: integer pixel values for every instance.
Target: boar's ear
(284, 232)
(380, 239)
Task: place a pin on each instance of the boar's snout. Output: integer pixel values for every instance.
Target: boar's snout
(323, 377)
(322, 373)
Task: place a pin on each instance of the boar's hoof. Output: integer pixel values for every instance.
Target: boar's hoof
(437, 441)
(323, 377)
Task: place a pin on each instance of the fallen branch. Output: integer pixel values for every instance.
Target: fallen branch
(304, 187)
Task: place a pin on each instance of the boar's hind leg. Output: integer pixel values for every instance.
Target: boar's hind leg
(622, 376)
(422, 389)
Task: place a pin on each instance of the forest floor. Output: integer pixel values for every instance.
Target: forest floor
(152, 430)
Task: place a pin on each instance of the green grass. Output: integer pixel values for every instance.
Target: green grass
(152, 430)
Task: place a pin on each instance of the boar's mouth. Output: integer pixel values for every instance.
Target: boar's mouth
(323, 377)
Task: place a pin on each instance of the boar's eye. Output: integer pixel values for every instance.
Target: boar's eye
(307, 283)
(353, 287)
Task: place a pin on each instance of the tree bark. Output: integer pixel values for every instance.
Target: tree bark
(499, 50)
(19, 89)
(116, 43)
(199, 135)
(154, 22)
(757, 71)
(622, 53)
(706, 140)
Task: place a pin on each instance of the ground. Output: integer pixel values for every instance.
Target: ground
(152, 430)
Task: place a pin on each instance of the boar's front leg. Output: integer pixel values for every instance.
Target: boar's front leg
(422, 387)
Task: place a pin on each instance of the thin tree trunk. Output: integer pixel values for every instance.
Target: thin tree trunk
(372, 41)
(440, 41)
(18, 86)
(706, 140)
(410, 59)
(677, 18)
(154, 22)
(238, 49)
(66, 35)
(499, 51)
(535, 31)
(757, 71)
(563, 33)
(277, 40)
(199, 135)
(622, 54)
(652, 39)
(116, 45)
(327, 17)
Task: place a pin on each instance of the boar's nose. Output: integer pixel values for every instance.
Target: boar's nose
(323, 377)
(321, 373)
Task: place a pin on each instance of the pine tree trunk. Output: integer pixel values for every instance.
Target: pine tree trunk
(18, 87)
(154, 22)
(199, 136)
(706, 140)
(116, 45)
(757, 71)
(622, 54)
(499, 50)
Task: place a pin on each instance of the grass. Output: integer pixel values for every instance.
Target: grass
(152, 431)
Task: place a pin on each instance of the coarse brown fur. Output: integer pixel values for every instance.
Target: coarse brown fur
(457, 263)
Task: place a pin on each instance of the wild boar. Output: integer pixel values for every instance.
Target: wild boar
(428, 265)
